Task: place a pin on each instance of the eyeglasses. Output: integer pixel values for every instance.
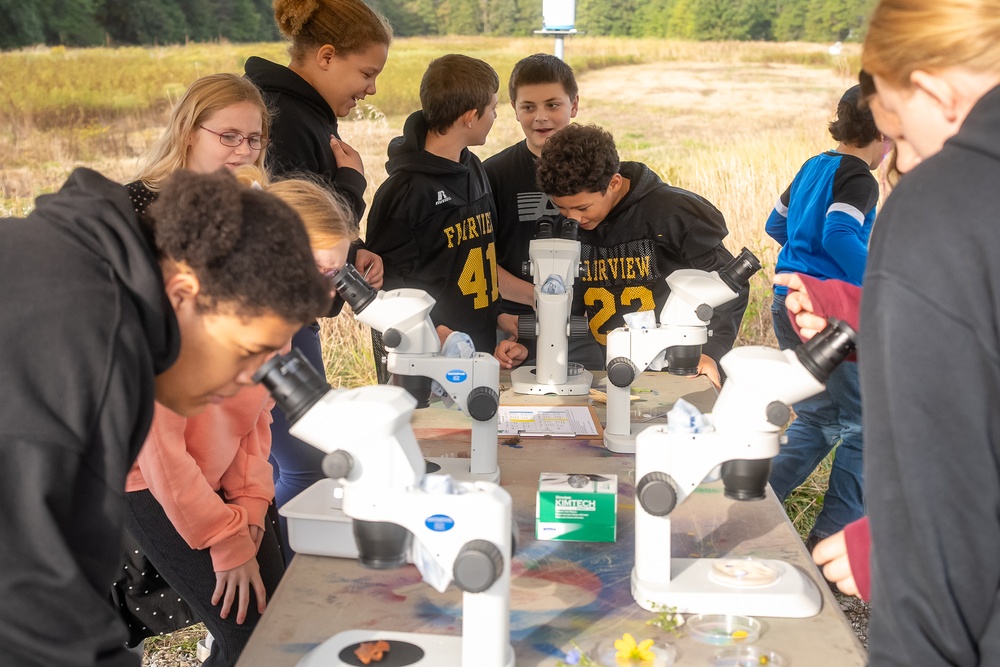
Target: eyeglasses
(234, 139)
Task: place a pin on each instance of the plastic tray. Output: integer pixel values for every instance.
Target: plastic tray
(747, 656)
(316, 524)
(723, 629)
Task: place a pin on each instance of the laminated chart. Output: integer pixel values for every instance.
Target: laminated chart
(558, 421)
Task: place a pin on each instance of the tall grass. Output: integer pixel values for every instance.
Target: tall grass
(753, 112)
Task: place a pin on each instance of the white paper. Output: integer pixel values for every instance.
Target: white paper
(541, 420)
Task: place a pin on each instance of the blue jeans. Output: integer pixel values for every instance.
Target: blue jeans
(821, 422)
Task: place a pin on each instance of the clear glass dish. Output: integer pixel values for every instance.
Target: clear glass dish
(723, 629)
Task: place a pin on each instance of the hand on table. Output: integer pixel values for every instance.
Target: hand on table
(708, 368)
(800, 305)
(510, 353)
(235, 585)
(831, 556)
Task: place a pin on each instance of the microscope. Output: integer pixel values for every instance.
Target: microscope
(679, 335)
(409, 335)
(462, 537)
(738, 439)
(555, 260)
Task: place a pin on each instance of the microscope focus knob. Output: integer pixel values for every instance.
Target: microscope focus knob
(338, 464)
(704, 312)
(579, 327)
(526, 326)
(778, 413)
(483, 403)
(392, 338)
(477, 566)
(656, 493)
(621, 371)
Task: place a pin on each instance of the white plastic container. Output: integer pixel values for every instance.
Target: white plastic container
(316, 523)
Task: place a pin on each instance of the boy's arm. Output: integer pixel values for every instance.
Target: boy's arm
(513, 288)
(390, 235)
(855, 194)
(777, 223)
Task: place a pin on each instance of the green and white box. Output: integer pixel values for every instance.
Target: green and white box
(575, 507)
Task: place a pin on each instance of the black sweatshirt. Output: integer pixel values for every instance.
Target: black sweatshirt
(654, 230)
(301, 125)
(84, 327)
(432, 223)
(930, 377)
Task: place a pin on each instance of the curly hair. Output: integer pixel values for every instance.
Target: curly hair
(248, 249)
(452, 85)
(577, 158)
(854, 124)
(350, 26)
(541, 68)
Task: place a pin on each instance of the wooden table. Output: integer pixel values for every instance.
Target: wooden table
(561, 592)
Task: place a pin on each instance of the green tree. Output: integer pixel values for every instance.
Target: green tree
(143, 21)
(790, 20)
(22, 25)
(71, 22)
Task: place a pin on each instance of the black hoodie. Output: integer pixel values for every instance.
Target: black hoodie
(654, 230)
(84, 326)
(432, 223)
(930, 377)
(301, 125)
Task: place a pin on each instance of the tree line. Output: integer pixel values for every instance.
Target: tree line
(119, 22)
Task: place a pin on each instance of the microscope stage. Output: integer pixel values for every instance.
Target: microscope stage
(421, 650)
(524, 381)
(695, 587)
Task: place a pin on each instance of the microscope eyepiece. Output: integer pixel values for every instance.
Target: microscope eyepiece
(569, 229)
(738, 272)
(545, 227)
(294, 384)
(353, 289)
(821, 353)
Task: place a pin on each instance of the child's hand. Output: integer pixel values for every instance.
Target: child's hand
(443, 332)
(367, 262)
(257, 535)
(346, 156)
(238, 582)
(800, 305)
(831, 556)
(508, 324)
(708, 368)
(510, 353)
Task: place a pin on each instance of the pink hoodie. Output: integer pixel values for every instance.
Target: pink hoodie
(185, 462)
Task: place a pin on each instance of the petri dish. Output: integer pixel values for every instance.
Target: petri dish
(665, 655)
(744, 572)
(723, 629)
(747, 656)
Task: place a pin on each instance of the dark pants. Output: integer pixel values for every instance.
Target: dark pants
(191, 574)
(297, 465)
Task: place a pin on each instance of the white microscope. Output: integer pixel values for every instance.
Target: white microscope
(740, 437)
(463, 536)
(555, 260)
(681, 331)
(403, 318)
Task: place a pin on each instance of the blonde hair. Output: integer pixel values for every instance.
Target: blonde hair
(327, 219)
(907, 35)
(350, 26)
(203, 98)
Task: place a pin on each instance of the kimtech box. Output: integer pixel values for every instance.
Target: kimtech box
(575, 507)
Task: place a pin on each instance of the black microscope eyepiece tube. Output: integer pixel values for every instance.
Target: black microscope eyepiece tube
(545, 227)
(737, 273)
(821, 353)
(353, 289)
(569, 229)
(294, 384)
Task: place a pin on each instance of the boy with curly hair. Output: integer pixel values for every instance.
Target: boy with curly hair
(544, 95)
(635, 230)
(432, 220)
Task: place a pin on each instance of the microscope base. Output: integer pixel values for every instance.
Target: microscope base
(437, 650)
(460, 470)
(624, 443)
(691, 590)
(524, 381)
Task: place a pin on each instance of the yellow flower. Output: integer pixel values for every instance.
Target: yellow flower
(628, 650)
